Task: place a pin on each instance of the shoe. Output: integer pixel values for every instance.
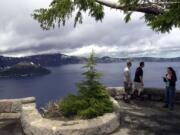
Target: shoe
(165, 106)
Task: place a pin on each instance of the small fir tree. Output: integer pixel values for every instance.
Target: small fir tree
(92, 99)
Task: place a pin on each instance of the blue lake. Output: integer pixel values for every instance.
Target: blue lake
(63, 79)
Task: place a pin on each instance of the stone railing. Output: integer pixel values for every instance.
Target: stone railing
(156, 94)
(24, 111)
(10, 110)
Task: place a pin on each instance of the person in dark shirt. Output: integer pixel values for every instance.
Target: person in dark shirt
(138, 79)
(170, 80)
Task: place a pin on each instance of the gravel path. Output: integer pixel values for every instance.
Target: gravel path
(148, 118)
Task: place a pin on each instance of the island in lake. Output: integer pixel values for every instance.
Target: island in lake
(24, 69)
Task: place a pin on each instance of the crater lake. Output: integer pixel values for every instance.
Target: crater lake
(63, 80)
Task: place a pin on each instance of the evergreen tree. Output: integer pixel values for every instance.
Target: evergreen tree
(92, 99)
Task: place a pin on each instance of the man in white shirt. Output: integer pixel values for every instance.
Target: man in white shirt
(127, 81)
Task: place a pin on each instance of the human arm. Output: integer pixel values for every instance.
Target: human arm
(141, 78)
(127, 75)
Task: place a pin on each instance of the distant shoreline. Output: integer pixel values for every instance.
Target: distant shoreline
(57, 59)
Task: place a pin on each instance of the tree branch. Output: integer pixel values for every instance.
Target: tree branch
(144, 8)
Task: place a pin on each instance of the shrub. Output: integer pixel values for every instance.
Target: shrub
(51, 110)
(71, 105)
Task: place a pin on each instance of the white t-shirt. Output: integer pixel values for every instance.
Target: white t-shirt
(127, 75)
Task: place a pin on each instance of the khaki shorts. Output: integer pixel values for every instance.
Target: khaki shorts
(138, 86)
(127, 88)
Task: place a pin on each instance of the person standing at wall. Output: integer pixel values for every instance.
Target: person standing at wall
(127, 81)
(138, 85)
(170, 80)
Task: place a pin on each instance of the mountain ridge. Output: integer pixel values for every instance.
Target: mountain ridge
(57, 59)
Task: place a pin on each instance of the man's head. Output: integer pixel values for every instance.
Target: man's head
(129, 64)
(141, 64)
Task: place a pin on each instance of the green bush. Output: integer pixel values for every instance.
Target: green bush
(91, 100)
(76, 106)
(71, 105)
(97, 107)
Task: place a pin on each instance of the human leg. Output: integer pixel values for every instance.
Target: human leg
(135, 90)
(171, 97)
(126, 89)
(166, 97)
(141, 89)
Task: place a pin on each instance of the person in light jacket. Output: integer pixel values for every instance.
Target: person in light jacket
(127, 81)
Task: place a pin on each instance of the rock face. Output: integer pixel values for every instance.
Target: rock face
(24, 69)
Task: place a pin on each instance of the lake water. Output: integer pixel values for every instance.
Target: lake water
(63, 79)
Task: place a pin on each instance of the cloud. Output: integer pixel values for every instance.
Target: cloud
(20, 35)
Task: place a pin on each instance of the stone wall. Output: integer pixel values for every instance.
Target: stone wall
(156, 94)
(24, 111)
(34, 123)
(10, 115)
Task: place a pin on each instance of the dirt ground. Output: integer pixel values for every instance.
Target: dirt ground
(148, 118)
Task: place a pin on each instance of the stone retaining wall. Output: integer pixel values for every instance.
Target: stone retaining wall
(24, 110)
(156, 94)
(33, 123)
(10, 110)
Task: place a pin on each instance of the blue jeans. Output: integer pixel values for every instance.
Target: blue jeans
(170, 96)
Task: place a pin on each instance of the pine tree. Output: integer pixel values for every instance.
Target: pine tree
(90, 86)
(92, 99)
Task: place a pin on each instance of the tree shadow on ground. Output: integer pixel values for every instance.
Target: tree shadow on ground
(149, 118)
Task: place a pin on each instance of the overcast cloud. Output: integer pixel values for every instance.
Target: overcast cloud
(20, 35)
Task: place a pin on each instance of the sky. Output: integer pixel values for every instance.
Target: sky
(21, 35)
